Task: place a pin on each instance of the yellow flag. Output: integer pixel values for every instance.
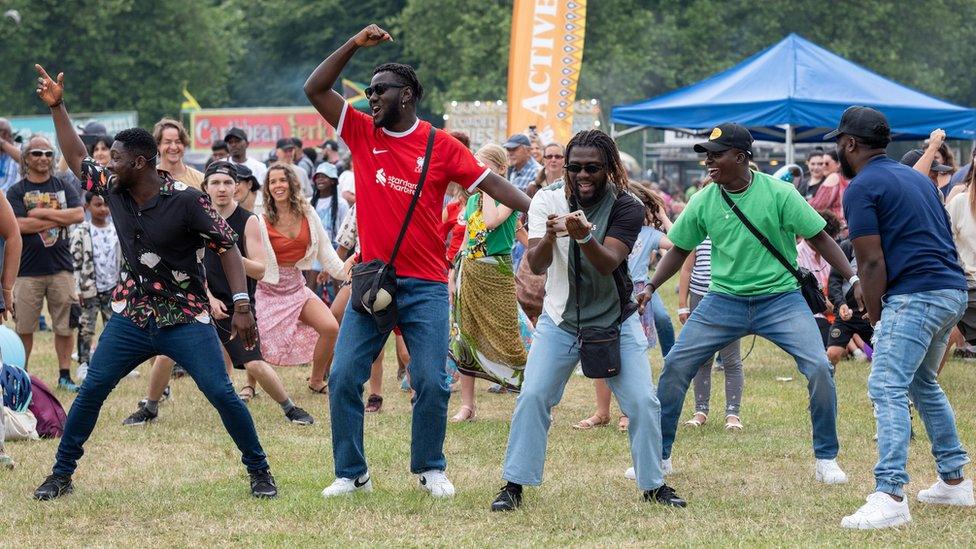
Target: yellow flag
(190, 104)
(543, 67)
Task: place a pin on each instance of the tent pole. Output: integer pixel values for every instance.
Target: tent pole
(613, 130)
(789, 144)
(643, 161)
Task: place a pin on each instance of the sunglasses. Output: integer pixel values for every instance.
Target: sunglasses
(37, 153)
(589, 168)
(381, 88)
(553, 157)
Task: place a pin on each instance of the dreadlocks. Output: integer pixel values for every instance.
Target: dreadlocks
(596, 139)
(407, 76)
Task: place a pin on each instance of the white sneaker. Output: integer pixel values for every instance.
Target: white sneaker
(828, 472)
(437, 483)
(859, 355)
(631, 473)
(133, 374)
(946, 494)
(343, 486)
(81, 373)
(880, 511)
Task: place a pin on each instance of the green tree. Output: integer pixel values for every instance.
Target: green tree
(120, 54)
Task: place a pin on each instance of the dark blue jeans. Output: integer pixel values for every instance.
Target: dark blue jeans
(422, 307)
(123, 346)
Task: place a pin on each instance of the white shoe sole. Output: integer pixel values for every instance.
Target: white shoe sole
(368, 487)
(956, 502)
(860, 524)
(820, 478)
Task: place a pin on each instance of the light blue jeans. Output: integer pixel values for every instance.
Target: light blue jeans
(783, 318)
(552, 359)
(908, 347)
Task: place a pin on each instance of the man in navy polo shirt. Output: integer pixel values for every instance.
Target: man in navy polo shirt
(914, 292)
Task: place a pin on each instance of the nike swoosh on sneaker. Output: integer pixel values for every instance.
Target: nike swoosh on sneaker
(378, 151)
(358, 484)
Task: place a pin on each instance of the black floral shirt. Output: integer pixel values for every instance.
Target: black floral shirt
(162, 241)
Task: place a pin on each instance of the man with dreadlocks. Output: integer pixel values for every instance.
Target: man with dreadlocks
(588, 287)
(388, 147)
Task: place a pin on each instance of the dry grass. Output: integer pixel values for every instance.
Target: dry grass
(180, 482)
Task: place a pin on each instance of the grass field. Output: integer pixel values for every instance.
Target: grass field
(179, 482)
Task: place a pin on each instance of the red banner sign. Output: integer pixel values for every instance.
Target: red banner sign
(264, 126)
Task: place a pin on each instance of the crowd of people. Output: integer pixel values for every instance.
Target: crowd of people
(516, 264)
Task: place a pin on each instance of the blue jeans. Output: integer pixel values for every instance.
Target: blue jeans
(552, 359)
(908, 347)
(662, 324)
(423, 319)
(122, 346)
(786, 320)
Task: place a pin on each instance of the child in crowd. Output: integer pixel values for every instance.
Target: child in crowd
(97, 258)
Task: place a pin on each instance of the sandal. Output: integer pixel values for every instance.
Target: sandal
(591, 422)
(733, 423)
(374, 403)
(466, 413)
(623, 424)
(246, 393)
(323, 390)
(695, 421)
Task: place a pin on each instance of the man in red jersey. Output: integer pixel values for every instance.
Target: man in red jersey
(388, 148)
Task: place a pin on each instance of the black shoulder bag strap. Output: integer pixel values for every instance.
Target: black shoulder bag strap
(761, 237)
(416, 194)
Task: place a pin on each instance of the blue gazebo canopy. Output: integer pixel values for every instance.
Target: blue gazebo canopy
(797, 83)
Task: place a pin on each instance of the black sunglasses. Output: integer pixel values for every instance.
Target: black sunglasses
(37, 153)
(589, 168)
(381, 88)
(553, 157)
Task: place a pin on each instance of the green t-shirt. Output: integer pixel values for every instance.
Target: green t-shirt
(740, 264)
(483, 242)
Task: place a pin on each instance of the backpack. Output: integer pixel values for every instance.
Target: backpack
(16, 385)
(47, 409)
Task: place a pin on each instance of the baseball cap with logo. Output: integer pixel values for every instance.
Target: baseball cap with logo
(727, 136)
(221, 167)
(863, 122)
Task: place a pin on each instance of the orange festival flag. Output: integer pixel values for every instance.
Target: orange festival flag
(544, 61)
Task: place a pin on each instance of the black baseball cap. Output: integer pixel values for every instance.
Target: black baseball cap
(221, 166)
(913, 156)
(727, 136)
(219, 145)
(863, 122)
(235, 132)
(245, 174)
(330, 144)
(285, 143)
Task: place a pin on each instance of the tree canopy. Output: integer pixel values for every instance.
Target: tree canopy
(132, 55)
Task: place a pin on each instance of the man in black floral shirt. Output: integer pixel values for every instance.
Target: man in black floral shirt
(162, 307)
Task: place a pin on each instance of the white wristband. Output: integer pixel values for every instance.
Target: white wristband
(684, 310)
(853, 280)
(241, 297)
(588, 238)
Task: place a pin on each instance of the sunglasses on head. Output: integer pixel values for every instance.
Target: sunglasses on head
(589, 168)
(381, 88)
(553, 157)
(37, 153)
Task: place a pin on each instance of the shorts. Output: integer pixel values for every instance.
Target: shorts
(239, 356)
(824, 326)
(29, 295)
(841, 331)
(967, 325)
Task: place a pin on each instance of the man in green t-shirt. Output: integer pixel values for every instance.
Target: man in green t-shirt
(751, 292)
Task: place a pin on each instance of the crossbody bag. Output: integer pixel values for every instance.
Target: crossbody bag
(809, 285)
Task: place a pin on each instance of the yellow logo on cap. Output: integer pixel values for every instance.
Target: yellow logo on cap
(716, 133)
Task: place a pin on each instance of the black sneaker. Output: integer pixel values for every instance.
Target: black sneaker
(508, 499)
(664, 495)
(54, 486)
(299, 416)
(141, 416)
(178, 371)
(263, 484)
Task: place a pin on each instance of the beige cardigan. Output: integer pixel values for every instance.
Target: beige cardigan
(320, 248)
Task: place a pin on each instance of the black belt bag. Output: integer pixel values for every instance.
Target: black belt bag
(374, 283)
(809, 286)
